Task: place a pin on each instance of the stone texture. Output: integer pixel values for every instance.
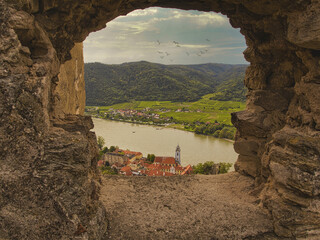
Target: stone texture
(208, 207)
(69, 94)
(43, 149)
(304, 27)
(48, 179)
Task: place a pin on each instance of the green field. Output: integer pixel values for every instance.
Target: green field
(204, 110)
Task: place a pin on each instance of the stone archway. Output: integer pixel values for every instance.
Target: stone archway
(48, 160)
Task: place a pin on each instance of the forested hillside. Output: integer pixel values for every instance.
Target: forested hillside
(144, 81)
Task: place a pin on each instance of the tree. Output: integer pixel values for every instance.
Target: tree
(198, 169)
(217, 133)
(210, 167)
(105, 150)
(112, 149)
(100, 142)
(107, 170)
(151, 157)
(224, 167)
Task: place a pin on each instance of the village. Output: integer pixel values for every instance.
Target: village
(130, 163)
(146, 115)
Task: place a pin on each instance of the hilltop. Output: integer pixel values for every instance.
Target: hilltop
(145, 81)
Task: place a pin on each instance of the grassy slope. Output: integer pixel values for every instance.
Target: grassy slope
(211, 110)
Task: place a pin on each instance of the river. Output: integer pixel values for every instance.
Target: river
(163, 141)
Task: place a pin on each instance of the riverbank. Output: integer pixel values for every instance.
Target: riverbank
(206, 116)
(162, 141)
(170, 125)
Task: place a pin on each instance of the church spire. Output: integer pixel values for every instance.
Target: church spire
(178, 155)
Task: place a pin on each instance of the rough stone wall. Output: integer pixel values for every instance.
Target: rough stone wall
(278, 134)
(69, 94)
(48, 180)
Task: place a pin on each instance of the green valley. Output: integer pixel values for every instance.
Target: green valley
(145, 81)
(197, 98)
(205, 116)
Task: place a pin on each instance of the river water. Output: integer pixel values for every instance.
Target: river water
(163, 141)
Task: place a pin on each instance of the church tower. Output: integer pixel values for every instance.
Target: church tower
(178, 156)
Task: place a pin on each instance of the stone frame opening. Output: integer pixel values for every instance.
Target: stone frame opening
(278, 136)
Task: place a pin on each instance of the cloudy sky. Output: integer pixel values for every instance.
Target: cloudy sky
(167, 36)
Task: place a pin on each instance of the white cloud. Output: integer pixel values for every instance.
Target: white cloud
(145, 12)
(137, 36)
(202, 19)
(194, 46)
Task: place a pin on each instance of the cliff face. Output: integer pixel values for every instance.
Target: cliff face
(69, 94)
(48, 178)
(48, 158)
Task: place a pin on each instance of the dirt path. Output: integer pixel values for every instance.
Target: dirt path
(183, 207)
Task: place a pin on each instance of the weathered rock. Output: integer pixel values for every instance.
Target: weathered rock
(48, 178)
(248, 165)
(304, 27)
(69, 93)
(52, 191)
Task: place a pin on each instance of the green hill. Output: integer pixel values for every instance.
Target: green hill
(144, 81)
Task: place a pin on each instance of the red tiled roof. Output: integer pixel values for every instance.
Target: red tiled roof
(166, 167)
(155, 167)
(154, 172)
(159, 173)
(188, 169)
(158, 160)
(165, 160)
(126, 163)
(125, 169)
(169, 160)
(146, 165)
(131, 152)
(179, 168)
(169, 174)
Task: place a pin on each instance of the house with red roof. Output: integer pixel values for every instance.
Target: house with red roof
(158, 173)
(130, 163)
(168, 166)
(132, 155)
(165, 161)
(187, 170)
(126, 171)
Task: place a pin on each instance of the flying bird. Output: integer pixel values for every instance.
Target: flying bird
(158, 42)
(175, 42)
(207, 40)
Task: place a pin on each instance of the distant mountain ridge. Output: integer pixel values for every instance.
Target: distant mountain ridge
(145, 81)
